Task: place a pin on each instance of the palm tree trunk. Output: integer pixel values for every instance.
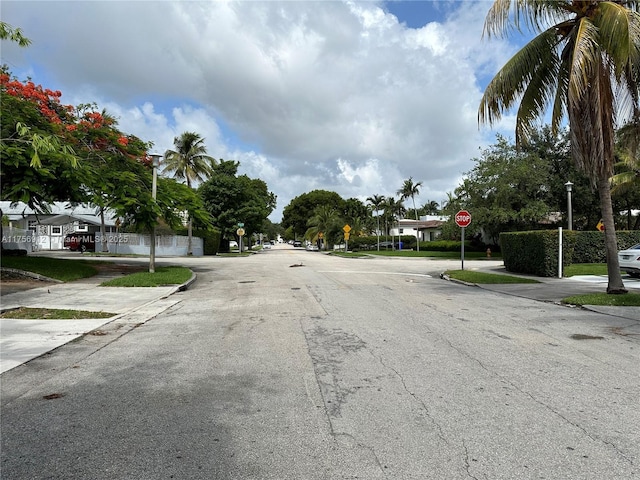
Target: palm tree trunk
(611, 245)
(415, 212)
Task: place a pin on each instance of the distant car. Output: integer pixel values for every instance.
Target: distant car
(629, 260)
(297, 243)
(312, 247)
(266, 246)
(80, 242)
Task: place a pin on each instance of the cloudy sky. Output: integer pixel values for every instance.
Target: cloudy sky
(348, 96)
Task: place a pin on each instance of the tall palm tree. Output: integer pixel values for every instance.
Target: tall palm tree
(190, 162)
(410, 190)
(376, 202)
(584, 61)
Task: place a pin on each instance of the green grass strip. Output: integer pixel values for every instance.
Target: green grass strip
(53, 314)
(60, 269)
(162, 276)
(429, 254)
(472, 276)
(605, 299)
(585, 269)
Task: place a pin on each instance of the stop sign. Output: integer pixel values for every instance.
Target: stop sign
(463, 218)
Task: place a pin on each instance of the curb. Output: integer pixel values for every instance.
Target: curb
(35, 276)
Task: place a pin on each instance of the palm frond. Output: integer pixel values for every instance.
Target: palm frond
(511, 82)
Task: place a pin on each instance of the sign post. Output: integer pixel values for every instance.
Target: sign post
(240, 232)
(463, 219)
(346, 229)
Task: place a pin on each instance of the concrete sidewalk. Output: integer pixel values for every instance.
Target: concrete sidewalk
(23, 340)
(554, 290)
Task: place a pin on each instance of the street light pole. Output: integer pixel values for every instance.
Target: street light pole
(569, 187)
(155, 159)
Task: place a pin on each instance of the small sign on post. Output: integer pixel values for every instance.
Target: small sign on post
(463, 219)
(240, 232)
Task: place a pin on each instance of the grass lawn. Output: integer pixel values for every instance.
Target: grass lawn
(585, 269)
(162, 276)
(53, 314)
(60, 269)
(471, 276)
(624, 300)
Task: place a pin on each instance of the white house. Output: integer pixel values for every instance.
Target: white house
(50, 228)
(427, 229)
(31, 231)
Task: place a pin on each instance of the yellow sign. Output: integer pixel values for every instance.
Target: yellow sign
(320, 235)
(600, 226)
(346, 235)
(346, 228)
(240, 232)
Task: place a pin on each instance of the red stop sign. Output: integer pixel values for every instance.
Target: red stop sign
(463, 218)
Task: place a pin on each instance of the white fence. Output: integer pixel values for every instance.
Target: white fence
(18, 239)
(166, 245)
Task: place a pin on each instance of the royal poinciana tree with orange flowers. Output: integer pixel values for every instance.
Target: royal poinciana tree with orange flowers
(55, 152)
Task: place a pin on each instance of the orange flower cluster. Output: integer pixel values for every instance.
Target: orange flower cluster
(48, 101)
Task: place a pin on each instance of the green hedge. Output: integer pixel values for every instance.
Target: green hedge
(536, 252)
(211, 238)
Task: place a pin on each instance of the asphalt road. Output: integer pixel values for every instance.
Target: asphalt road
(293, 365)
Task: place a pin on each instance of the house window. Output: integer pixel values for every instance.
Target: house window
(55, 230)
(83, 227)
(401, 230)
(32, 224)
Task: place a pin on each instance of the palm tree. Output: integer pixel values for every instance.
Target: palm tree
(325, 220)
(376, 202)
(190, 162)
(584, 61)
(410, 190)
(393, 209)
(431, 208)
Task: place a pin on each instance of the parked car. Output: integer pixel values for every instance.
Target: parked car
(297, 243)
(312, 247)
(629, 260)
(266, 246)
(80, 241)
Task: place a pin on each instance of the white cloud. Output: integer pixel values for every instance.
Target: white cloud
(315, 94)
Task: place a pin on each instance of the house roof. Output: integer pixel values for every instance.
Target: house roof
(60, 213)
(420, 224)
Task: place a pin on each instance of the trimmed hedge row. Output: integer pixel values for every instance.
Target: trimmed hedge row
(211, 239)
(536, 252)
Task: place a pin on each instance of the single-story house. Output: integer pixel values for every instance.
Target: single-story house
(50, 228)
(426, 229)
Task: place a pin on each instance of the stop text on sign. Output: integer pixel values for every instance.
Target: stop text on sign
(463, 218)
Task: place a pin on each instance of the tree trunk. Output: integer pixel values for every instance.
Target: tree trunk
(611, 245)
(103, 234)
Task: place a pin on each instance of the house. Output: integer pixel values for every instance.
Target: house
(426, 229)
(28, 230)
(48, 229)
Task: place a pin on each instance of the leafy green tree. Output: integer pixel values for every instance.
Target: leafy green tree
(7, 32)
(298, 212)
(190, 162)
(409, 190)
(231, 199)
(584, 61)
(626, 182)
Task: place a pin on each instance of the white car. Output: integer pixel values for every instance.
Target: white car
(266, 246)
(629, 260)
